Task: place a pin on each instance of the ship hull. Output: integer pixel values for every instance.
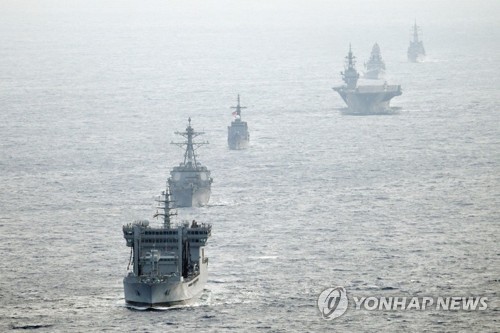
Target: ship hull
(238, 136)
(416, 52)
(237, 143)
(190, 196)
(416, 57)
(367, 102)
(167, 293)
(374, 74)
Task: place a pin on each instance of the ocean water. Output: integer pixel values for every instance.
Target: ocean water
(91, 93)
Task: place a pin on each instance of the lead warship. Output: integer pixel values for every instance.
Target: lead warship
(416, 51)
(190, 181)
(238, 136)
(169, 265)
(375, 67)
(364, 99)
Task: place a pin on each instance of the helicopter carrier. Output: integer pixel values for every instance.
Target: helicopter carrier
(238, 136)
(168, 261)
(190, 182)
(416, 50)
(364, 99)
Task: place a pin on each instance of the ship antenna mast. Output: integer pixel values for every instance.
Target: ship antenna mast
(238, 107)
(190, 134)
(415, 32)
(164, 204)
(351, 60)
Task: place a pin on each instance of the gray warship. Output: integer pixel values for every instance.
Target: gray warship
(375, 67)
(168, 261)
(364, 99)
(416, 51)
(190, 182)
(238, 136)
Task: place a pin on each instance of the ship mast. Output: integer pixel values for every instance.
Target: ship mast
(415, 32)
(164, 204)
(350, 59)
(375, 55)
(238, 108)
(189, 155)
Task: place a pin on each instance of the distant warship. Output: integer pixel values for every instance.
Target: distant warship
(416, 51)
(364, 99)
(238, 136)
(190, 182)
(375, 67)
(169, 262)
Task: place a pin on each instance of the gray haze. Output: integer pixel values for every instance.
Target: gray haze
(403, 205)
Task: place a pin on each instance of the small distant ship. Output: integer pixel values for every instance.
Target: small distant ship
(190, 182)
(238, 136)
(169, 265)
(416, 51)
(364, 99)
(375, 67)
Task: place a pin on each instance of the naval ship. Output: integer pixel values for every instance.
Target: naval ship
(364, 99)
(190, 182)
(168, 261)
(238, 136)
(416, 51)
(375, 67)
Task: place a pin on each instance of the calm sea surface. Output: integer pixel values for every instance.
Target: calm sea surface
(91, 93)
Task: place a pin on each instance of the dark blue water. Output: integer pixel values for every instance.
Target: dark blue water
(407, 204)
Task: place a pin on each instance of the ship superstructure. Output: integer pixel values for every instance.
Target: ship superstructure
(190, 182)
(168, 261)
(416, 50)
(375, 67)
(238, 136)
(364, 98)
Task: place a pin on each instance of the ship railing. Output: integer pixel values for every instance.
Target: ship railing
(157, 278)
(128, 228)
